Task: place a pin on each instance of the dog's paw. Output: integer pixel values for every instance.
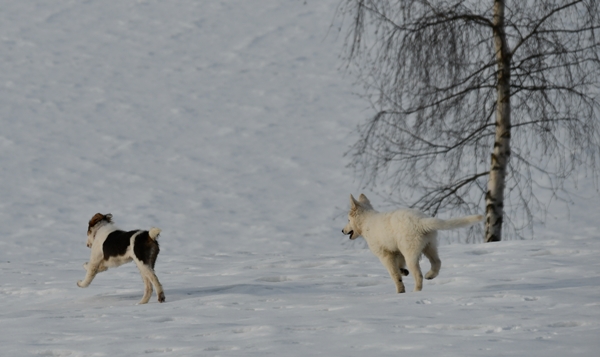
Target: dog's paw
(81, 284)
(430, 275)
(404, 272)
(161, 297)
(400, 288)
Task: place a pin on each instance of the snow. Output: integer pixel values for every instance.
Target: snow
(225, 123)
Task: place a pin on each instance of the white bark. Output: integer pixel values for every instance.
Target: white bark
(501, 151)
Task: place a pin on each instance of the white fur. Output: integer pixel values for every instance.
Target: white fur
(398, 238)
(96, 237)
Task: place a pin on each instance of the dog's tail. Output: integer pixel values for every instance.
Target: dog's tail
(154, 232)
(436, 224)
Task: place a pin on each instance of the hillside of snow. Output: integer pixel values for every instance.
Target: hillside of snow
(225, 124)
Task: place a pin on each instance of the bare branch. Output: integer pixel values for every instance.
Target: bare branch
(541, 21)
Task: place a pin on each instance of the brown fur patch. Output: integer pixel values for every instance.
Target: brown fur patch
(97, 218)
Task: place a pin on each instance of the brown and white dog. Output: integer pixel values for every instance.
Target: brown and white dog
(112, 247)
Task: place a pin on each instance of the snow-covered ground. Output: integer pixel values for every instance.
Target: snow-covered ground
(225, 123)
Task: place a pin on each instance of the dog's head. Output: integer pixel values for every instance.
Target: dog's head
(95, 223)
(353, 228)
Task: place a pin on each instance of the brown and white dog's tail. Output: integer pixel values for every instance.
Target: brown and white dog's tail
(154, 232)
(436, 224)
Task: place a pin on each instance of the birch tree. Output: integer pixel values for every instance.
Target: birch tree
(477, 103)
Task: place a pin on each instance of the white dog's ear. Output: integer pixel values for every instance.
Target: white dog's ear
(363, 199)
(353, 203)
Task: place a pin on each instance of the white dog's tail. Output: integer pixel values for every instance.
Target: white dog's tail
(436, 224)
(154, 232)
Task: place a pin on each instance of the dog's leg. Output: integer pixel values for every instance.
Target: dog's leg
(400, 263)
(148, 273)
(157, 285)
(412, 262)
(147, 289)
(92, 268)
(431, 253)
(389, 260)
(101, 268)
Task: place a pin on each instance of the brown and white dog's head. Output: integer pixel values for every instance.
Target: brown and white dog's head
(95, 224)
(353, 228)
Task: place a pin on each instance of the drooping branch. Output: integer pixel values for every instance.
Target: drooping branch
(436, 198)
(535, 30)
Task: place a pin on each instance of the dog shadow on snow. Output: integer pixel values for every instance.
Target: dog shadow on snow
(258, 289)
(131, 297)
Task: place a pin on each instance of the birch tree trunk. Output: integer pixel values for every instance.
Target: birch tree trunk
(501, 151)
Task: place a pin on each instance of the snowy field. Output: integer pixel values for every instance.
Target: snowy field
(225, 123)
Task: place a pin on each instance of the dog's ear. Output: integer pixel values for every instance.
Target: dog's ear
(353, 203)
(364, 201)
(95, 219)
(98, 217)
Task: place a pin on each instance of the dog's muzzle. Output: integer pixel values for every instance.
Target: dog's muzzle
(349, 234)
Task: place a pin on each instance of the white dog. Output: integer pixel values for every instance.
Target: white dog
(398, 238)
(112, 247)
